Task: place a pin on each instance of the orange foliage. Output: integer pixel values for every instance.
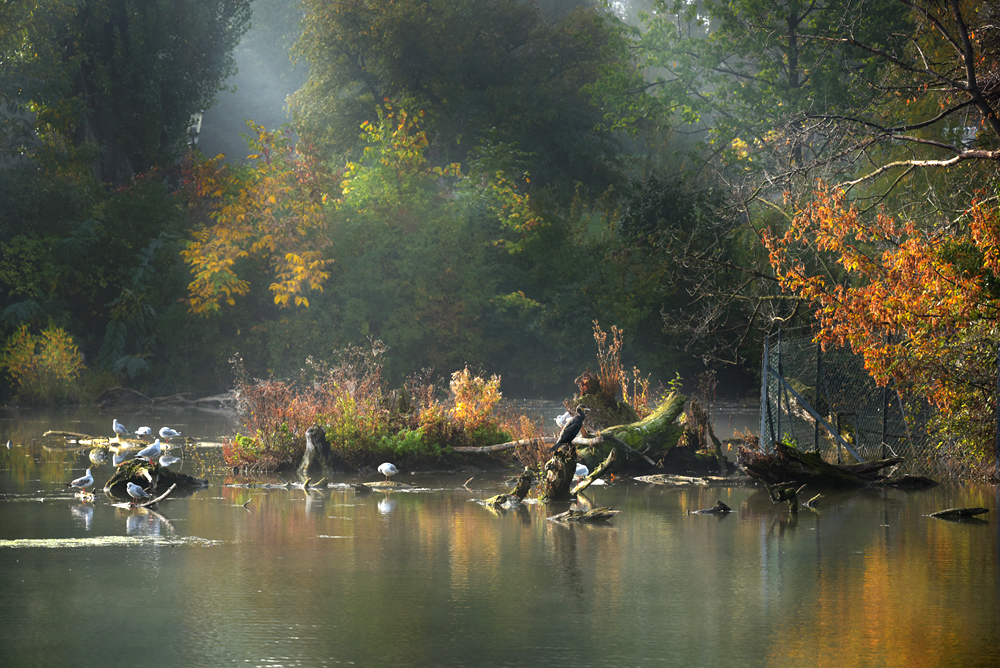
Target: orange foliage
(917, 304)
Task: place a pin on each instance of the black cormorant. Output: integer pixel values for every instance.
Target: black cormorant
(571, 429)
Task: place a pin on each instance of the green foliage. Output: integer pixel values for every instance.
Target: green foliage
(410, 445)
(745, 69)
(123, 76)
(476, 66)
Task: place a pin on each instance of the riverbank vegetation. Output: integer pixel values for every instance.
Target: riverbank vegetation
(474, 183)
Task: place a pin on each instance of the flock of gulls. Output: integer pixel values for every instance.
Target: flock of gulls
(152, 452)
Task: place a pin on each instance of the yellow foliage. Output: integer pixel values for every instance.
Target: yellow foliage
(275, 209)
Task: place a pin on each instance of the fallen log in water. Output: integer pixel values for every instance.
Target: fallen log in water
(594, 475)
(590, 516)
(150, 476)
(718, 509)
(791, 465)
(959, 513)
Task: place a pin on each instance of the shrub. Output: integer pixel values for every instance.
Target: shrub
(44, 367)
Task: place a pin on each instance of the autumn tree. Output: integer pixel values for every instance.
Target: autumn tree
(920, 305)
(273, 208)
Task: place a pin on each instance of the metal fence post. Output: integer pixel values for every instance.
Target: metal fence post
(781, 374)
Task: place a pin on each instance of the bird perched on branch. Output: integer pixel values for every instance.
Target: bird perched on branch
(572, 428)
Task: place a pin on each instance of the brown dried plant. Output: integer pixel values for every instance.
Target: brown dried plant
(611, 375)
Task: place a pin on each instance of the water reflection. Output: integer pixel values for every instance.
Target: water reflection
(386, 505)
(83, 515)
(429, 577)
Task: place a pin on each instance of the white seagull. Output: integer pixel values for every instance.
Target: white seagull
(143, 431)
(166, 433)
(581, 471)
(136, 492)
(83, 482)
(119, 428)
(168, 460)
(563, 419)
(387, 470)
(151, 451)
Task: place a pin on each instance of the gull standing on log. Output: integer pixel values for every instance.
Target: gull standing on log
(144, 431)
(119, 428)
(387, 470)
(150, 452)
(83, 482)
(135, 492)
(166, 433)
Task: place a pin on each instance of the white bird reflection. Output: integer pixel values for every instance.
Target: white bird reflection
(83, 514)
(146, 522)
(386, 505)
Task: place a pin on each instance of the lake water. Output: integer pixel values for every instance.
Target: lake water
(429, 577)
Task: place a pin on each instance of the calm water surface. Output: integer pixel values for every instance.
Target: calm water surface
(429, 577)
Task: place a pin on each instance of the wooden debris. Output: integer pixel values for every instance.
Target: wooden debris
(786, 492)
(718, 509)
(787, 464)
(959, 513)
(813, 502)
(595, 474)
(591, 516)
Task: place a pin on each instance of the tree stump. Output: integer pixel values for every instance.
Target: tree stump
(319, 459)
(559, 472)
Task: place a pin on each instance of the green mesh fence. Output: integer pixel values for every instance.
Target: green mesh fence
(814, 397)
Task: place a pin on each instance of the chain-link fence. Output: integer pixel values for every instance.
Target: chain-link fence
(827, 401)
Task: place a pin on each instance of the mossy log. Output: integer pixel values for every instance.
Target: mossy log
(517, 494)
(149, 475)
(647, 438)
(792, 465)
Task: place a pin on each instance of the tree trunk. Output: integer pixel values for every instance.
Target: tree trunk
(318, 460)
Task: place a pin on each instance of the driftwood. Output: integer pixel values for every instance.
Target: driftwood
(516, 495)
(590, 516)
(786, 492)
(959, 513)
(110, 395)
(160, 497)
(657, 431)
(673, 480)
(792, 465)
(718, 509)
(594, 475)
